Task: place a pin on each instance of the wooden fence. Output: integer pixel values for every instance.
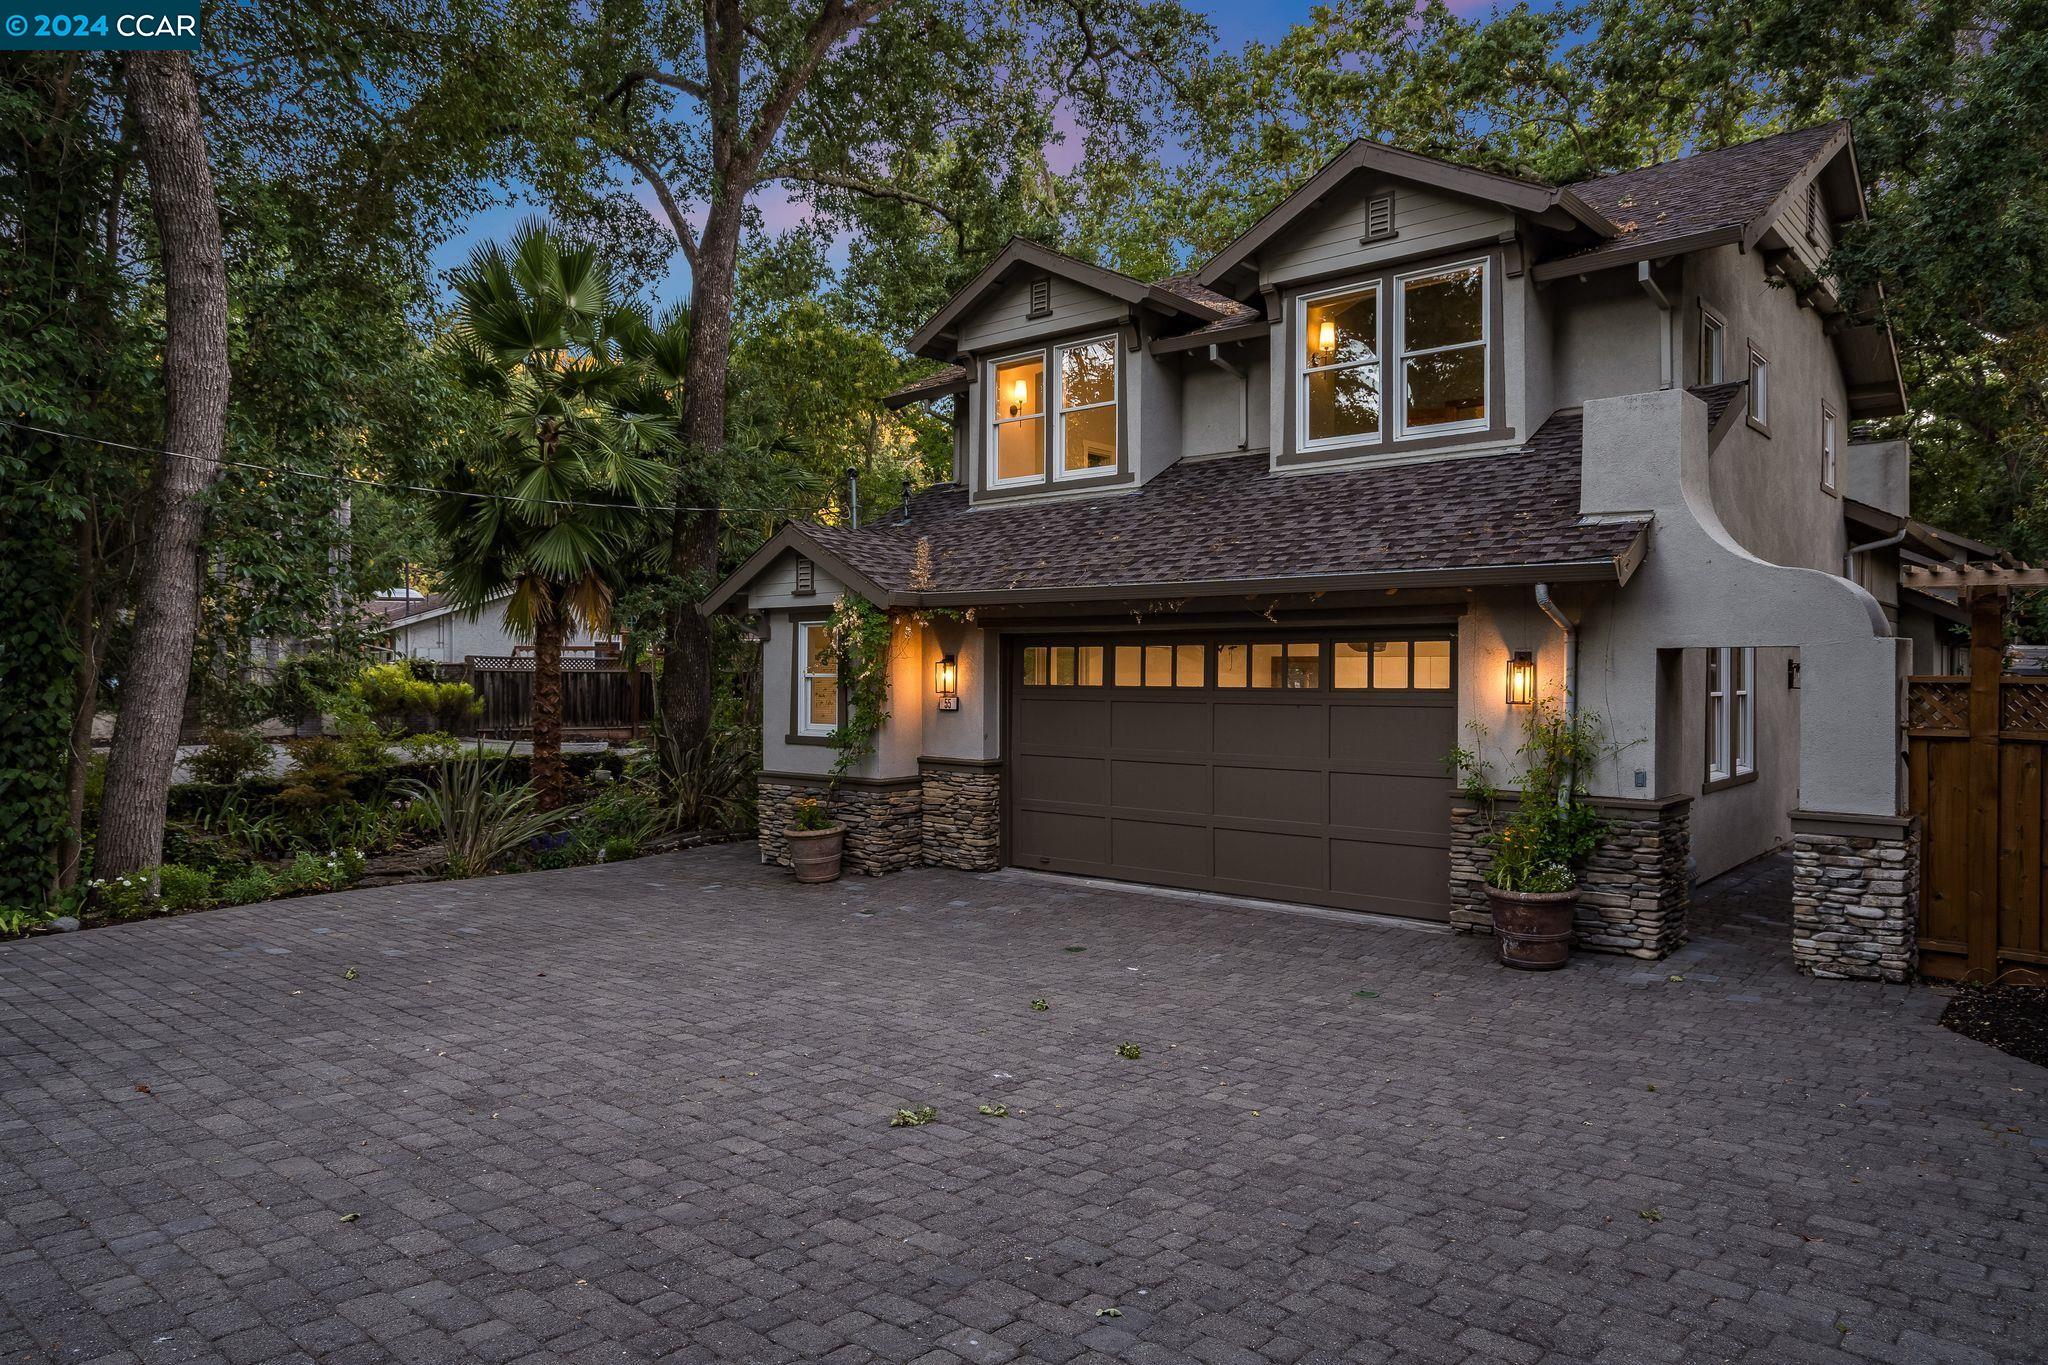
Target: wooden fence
(1976, 746)
(601, 697)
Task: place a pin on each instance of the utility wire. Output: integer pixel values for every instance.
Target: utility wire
(319, 477)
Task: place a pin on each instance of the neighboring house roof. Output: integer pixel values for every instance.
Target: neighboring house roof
(1731, 194)
(1229, 524)
(432, 608)
(1020, 256)
(394, 610)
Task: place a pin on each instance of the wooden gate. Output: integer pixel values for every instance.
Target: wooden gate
(1975, 750)
(601, 698)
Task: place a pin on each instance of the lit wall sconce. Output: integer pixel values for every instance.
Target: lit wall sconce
(1326, 342)
(1521, 678)
(1020, 394)
(946, 682)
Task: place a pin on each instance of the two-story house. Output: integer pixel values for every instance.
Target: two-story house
(1230, 562)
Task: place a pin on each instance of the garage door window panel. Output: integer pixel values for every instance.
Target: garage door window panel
(1292, 666)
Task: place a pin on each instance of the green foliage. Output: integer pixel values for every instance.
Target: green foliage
(862, 635)
(17, 920)
(914, 1118)
(619, 849)
(711, 785)
(330, 871)
(1552, 831)
(125, 897)
(305, 685)
(480, 818)
(184, 888)
(392, 691)
(810, 815)
(434, 746)
(256, 883)
(230, 756)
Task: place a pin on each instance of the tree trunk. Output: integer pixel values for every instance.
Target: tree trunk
(693, 537)
(165, 104)
(550, 779)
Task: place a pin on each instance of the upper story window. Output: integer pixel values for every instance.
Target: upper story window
(1416, 346)
(1830, 448)
(1443, 349)
(1759, 398)
(817, 679)
(1340, 367)
(1077, 437)
(1713, 347)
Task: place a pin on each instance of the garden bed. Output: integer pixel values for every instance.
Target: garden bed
(2013, 1019)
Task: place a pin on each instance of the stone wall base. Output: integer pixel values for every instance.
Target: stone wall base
(1633, 891)
(884, 822)
(963, 813)
(1855, 896)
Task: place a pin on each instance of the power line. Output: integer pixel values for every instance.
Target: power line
(319, 477)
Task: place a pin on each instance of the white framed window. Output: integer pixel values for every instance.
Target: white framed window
(1086, 434)
(817, 680)
(1016, 412)
(1830, 448)
(1337, 340)
(1441, 337)
(1713, 347)
(1731, 712)
(1759, 397)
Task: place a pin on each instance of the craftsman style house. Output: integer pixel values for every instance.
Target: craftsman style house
(1230, 562)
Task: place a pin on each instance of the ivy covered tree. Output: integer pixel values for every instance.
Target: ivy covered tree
(550, 500)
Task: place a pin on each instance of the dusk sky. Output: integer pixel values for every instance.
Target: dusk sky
(1236, 24)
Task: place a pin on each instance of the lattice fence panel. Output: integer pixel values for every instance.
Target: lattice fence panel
(1938, 704)
(2025, 707)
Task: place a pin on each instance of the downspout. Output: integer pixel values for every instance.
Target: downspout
(1663, 301)
(1849, 559)
(1571, 673)
(1214, 355)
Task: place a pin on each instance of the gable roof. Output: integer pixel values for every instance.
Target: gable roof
(1561, 205)
(1731, 194)
(1229, 525)
(1021, 256)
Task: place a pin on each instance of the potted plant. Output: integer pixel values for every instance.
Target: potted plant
(1532, 880)
(816, 841)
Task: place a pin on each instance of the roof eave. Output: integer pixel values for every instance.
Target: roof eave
(793, 536)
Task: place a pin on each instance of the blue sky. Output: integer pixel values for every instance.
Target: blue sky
(1236, 24)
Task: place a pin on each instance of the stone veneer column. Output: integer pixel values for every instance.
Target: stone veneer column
(963, 814)
(883, 819)
(1855, 895)
(1633, 891)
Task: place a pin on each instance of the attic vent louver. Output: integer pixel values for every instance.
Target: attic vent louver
(1041, 298)
(1379, 217)
(806, 579)
(1813, 213)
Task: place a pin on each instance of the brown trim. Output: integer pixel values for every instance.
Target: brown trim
(1806, 175)
(1444, 615)
(1709, 313)
(959, 764)
(1020, 252)
(1721, 784)
(1383, 277)
(1849, 824)
(980, 491)
(1627, 803)
(798, 619)
(1749, 368)
(792, 537)
(1607, 257)
(1486, 575)
(1221, 336)
(1365, 155)
(827, 780)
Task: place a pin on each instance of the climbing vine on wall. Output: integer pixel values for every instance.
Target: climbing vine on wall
(861, 634)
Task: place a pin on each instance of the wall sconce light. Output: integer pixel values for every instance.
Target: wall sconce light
(1521, 678)
(946, 682)
(1326, 341)
(1020, 394)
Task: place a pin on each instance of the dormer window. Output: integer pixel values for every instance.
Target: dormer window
(1340, 367)
(1443, 350)
(1077, 437)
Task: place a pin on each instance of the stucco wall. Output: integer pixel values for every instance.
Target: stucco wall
(1212, 420)
(1767, 489)
(1604, 336)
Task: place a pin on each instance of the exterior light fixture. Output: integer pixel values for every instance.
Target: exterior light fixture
(946, 682)
(1521, 678)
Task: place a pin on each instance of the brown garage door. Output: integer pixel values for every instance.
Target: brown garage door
(1304, 767)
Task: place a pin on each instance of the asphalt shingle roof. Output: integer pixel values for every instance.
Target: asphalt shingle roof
(1232, 520)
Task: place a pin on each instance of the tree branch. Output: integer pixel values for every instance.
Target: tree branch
(835, 20)
(678, 223)
(650, 75)
(833, 180)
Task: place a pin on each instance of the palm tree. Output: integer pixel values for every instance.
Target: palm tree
(554, 498)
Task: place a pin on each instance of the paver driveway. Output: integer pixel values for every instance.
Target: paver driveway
(638, 1110)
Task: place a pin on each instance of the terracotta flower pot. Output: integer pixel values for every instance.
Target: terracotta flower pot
(814, 853)
(1533, 928)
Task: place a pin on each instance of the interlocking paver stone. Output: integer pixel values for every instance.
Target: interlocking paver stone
(641, 1111)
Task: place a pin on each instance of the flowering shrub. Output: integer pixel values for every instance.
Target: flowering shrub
(125, 897)
(322, 872)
